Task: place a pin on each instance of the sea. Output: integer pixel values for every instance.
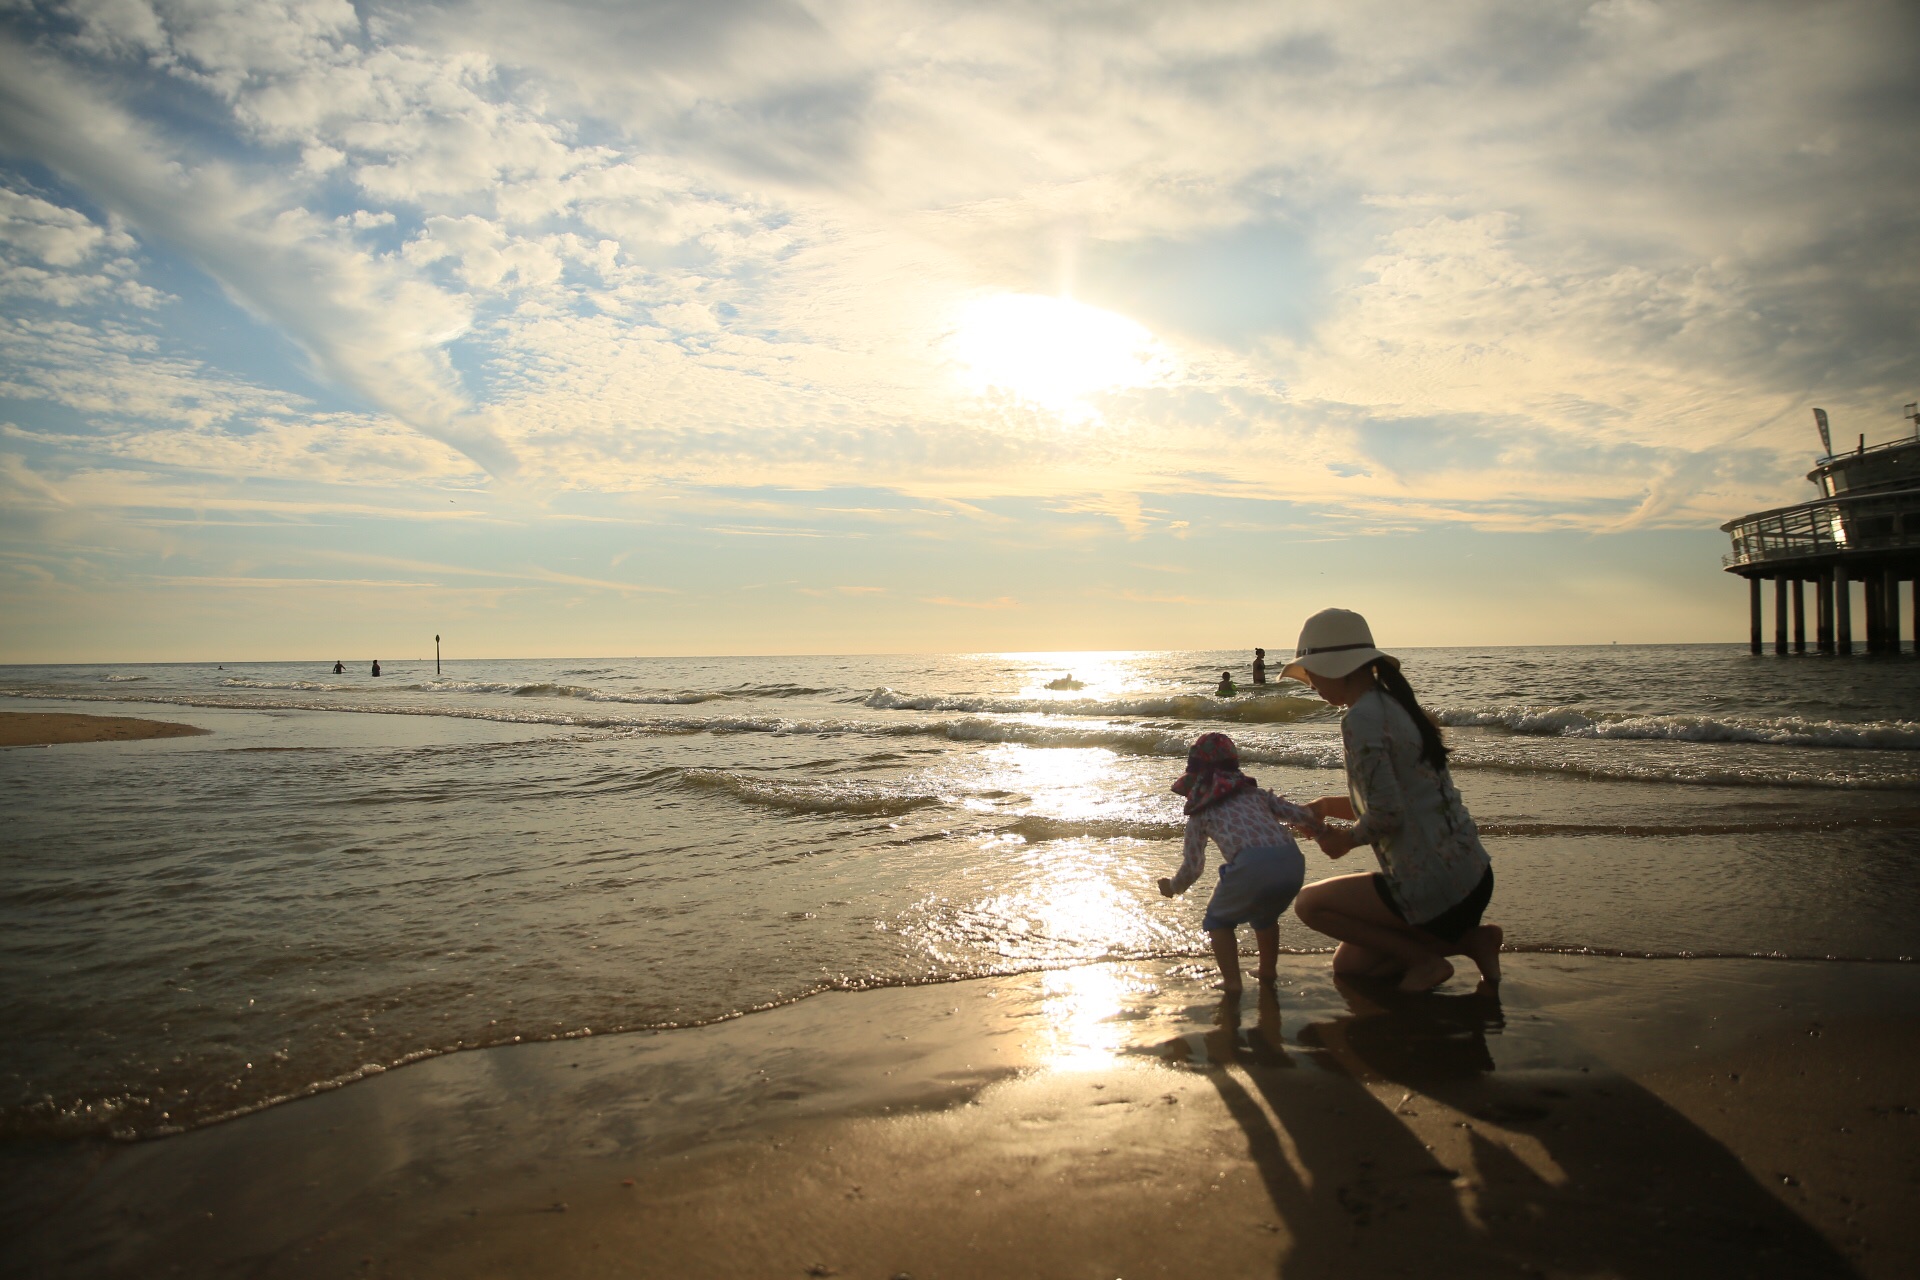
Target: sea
(348, 874)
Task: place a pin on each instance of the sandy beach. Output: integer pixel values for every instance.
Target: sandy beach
(46, 729)
(1599, 1116)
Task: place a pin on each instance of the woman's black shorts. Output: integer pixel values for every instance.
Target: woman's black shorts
(1452, 924)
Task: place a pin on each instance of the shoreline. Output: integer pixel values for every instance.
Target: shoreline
(61, 728)
(1638, 1117)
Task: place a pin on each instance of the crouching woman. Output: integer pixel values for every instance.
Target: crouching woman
(1435, 880)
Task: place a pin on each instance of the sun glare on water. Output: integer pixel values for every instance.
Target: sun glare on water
(1054, 352)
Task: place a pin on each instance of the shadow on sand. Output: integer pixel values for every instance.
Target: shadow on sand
(1390, 1144)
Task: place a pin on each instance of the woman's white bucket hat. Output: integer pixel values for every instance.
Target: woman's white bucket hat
(1334, 643)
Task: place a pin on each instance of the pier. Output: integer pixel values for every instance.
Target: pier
(1858, 541)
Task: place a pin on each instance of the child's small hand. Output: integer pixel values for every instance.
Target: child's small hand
(1166, 887)
(1335, 842)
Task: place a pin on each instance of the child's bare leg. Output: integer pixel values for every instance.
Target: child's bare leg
(1226, 950)
(1269, 940)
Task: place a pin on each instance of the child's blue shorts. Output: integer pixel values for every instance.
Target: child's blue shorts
(1256, 887)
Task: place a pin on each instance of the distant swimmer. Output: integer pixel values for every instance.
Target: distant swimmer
(1226, 689)
(376, 666)
(1259, 666)
(1065, 682)
(339, 668)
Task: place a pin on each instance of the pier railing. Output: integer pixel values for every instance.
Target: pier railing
(1827, 527)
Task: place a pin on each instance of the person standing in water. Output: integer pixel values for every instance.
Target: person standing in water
(1435, 879)
(376, 666)
(1259, 666)
(339, 667)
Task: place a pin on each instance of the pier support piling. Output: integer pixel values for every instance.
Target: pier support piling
(1799, 616)
(1870, 607)
(1893, 612)
(1779, 615)
(1843, 611)
(1823, 611)
(1753, 607)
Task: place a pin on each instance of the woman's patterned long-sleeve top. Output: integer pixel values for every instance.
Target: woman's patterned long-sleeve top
(1410, 812)
(1249, 819)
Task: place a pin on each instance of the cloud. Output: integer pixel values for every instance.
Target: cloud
(1504, 265)
(374, 329)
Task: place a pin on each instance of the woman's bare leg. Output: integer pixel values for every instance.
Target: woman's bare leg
(1226, 950)
(1269, 940)
(1481, 944)
(1349, 908)
(1351, 960)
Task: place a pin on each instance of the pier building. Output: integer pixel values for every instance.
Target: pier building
(1863, 530)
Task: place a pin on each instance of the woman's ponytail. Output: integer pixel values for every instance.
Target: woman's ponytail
(1432, 748)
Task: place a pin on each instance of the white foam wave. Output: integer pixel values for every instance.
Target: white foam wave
(549, 689)
(305, 686)
(121, 679)
(1275, 708)
(1126, 739)
(812, 797)
(1783, 731)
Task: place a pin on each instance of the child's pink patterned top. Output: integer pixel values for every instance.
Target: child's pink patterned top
(1250, 819)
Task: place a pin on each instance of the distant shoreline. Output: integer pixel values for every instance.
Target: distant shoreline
(58, 728)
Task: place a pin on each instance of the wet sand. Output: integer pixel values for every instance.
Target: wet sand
(1598, 1117)
(45, 728)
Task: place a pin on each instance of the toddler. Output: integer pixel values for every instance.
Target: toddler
(1260, 865)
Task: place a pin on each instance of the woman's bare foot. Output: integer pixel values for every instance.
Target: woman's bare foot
(1226, 988)
(1425, 975)
(1482, 946)
(1264, 977)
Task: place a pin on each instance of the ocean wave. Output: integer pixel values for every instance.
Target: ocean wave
(1636, 953)
(299, 686)
(1036, 828)
(121, 679)
(1275, 708)
(1127, 739)
(811, 797)
(1497, 828)
(551, 689)
(1782, 731)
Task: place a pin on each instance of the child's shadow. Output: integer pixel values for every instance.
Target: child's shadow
(1560, 1168)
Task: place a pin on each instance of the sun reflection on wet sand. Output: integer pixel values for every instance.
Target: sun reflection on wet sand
(1083, 1008)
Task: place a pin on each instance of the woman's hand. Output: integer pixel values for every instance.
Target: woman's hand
(1332, 807)
(1166, 887)
(1335, 841)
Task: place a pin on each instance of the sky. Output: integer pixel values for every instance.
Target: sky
(801, 326)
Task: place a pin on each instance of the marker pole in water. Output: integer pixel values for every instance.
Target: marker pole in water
(436, 655)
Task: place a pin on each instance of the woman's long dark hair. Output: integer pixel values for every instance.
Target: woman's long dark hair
(1392, 683)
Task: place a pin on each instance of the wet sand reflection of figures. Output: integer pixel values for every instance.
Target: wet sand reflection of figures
(1404, 1149)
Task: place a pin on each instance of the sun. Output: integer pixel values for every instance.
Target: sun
(1053, 352)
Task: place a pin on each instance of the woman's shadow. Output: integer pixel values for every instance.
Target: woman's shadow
(1389, 1140)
